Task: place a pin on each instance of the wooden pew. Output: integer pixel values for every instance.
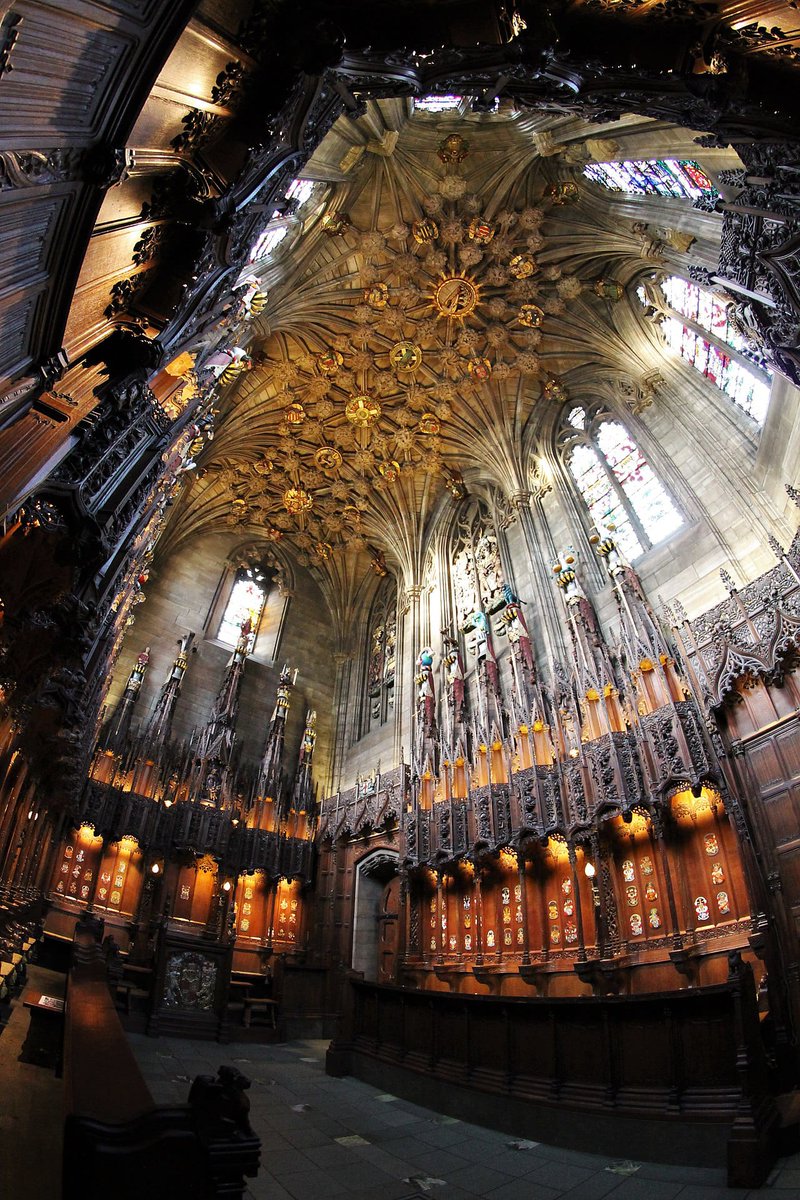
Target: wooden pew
(117, 1141)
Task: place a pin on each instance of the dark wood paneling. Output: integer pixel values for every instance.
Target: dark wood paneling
(693, 1054)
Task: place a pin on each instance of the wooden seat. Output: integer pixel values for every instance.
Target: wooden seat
(256, 1004)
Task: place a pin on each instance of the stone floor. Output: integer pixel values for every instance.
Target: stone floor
(324, 1137)
(31, 1105)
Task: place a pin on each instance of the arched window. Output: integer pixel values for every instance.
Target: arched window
(381, 654)
(689, 312)
(678, 177)
(616, 482)
(245, 605)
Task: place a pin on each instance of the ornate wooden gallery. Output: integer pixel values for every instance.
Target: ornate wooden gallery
(583, 829)
(587, 832)
(178, 839)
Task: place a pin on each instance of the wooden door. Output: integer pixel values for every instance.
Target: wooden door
(388, 927)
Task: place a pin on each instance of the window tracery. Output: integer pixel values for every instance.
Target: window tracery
(245, 606)
(438, 104)
(687, 311)
(476, 574)
(268, 241)
(617, 484)
(382, 657)
(677, 177)
(298, 195)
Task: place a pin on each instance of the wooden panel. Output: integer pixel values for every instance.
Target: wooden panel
(766, 763)
(66, 64)
(662, 1055)
(788, 743)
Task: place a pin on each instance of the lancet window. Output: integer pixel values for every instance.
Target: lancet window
(269, 241)
(245, 606)
(617, 484)
(689, 312)
(381, 652)
(677, 177)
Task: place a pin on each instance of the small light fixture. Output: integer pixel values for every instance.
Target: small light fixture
(226, 887)
(155, 869)
(590, 870)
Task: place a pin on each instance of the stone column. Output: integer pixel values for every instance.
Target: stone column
(547, 634)
(342, 706)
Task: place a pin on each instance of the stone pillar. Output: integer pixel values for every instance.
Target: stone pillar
(342, 706)
(547, 635)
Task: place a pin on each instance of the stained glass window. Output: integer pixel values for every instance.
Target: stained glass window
(653, 177)
(437, 104)
(268, 241)
(245, 604)
(743, 387)
(301, 190)
(746, 388)
(618, 485)
(704, 308)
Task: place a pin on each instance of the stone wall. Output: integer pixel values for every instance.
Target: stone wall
(180, 597)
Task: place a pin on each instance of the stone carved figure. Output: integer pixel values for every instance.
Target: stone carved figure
(465, 595)
(490, 572)
(454, 667)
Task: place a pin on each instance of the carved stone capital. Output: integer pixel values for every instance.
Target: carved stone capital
(411, 595)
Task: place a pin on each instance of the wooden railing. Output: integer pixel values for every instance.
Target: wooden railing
(117, 1141)
(680, 1073)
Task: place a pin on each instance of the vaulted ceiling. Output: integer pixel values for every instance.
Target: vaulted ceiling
(450, 282)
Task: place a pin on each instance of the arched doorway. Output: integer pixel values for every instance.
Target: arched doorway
(376, 917)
